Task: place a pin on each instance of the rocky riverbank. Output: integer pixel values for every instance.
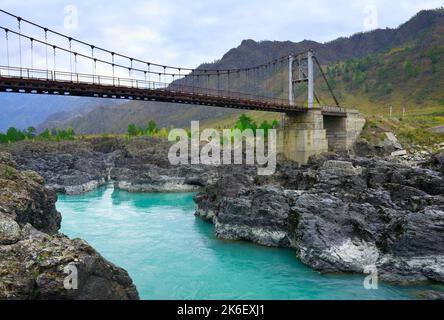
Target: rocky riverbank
(34, 257)
(339, 213)
(139, 165)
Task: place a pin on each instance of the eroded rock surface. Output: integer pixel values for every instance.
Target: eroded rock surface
(339, 214)
(139, 165)
(34, 259)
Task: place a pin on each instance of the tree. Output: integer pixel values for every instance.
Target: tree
(46, 135)
(3, 138)
(133, 130)
(31, 132)
(152, 127)
(70, 133)
(14, 135)
(245, 122)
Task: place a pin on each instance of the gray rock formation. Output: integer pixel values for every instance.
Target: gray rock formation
(34, 258)
(342, 215)
(139, 165)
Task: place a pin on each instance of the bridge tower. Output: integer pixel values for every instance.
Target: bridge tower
(302, 135)
(302, 77)
(313, 132)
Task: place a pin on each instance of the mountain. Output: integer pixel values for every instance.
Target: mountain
(402, 66)
(251, 53)
(25, 110)
(115, 118)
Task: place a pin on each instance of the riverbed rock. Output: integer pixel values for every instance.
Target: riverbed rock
(355, 214)
(35, 260)
(136, 165)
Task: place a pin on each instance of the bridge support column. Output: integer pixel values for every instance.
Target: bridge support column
(343, 132)
(302, 136)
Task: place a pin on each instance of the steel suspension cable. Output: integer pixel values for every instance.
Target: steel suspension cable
(75, 63)
(7, 48)
(326, 81)
(149, 73)
(70, 58)
(70, 55)
(54, 52)
(46, 48)
(20, 43)
(32, 53)
(113, 67)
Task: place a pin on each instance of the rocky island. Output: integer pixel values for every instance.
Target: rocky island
(340, 213)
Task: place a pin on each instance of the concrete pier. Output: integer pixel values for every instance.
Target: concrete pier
(312, 133)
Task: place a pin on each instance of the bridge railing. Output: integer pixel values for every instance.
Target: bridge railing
(100, 80)
(24, 73)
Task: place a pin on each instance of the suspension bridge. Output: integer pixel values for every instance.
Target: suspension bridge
(39, 60)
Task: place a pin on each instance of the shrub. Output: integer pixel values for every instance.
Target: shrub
(133, 130)
(152, 128)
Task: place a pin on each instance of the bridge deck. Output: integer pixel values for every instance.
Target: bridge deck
(68, 84)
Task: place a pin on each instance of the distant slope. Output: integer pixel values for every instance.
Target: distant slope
(403, 67)
(410, 75)
(25, 110)
(115, 119)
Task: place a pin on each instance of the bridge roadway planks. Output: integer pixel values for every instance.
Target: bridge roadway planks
(44, 86)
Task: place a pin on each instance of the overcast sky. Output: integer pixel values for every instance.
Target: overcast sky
(189, 32)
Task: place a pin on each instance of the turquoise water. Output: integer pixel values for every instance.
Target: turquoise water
(170, 254)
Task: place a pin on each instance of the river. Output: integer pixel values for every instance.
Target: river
(171, 254)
